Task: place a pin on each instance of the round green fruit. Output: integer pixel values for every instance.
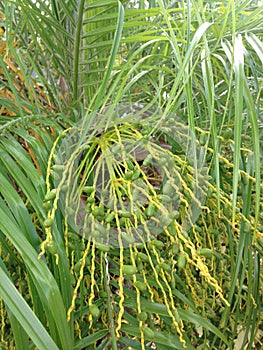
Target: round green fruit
(48, 222)
(149, 211)
(143, 256)
(77, 267)
(50, 195)
(94, 310)
(98, 211)
(148, 333)
(130, 164)
(88, 189)
(136, 174)
(90, 200)
(164, 266)
(142, 316)
(73, 236)
(109, 217)
(158, 244)
(227, 133)
(103, 247)
(51, 247)
(140, 285)
(46, 206)
(128, 175)
(125, 213)
(147, 161)
(181, 261)
(129, 269)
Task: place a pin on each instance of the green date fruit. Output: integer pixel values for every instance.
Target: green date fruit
(103, 247)
(164, 266)
(88, 189)
(125, 213)
(51, 247)
(48, 222)
(181, 261)
(94, 310)
(140, 285)
(110, 217)
(50, 195)
(129, 269)
(143, 256)
(142, 316)
(148, 332)
(46, 206)
(149, 211)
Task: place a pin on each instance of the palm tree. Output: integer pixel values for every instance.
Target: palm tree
(81, 80)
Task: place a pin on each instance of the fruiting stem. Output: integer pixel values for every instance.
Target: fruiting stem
(109, 306)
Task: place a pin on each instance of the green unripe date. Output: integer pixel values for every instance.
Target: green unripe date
(94, 310)
(139, 265)
(165, 267)
(88, 189)
(90, 200)
(246, 227)
(73, 236)
(125, 213)
(77, 267)
(46, 206)
(128, 175)
(103, 247)
(51, 247)
(48, 222)
(129, 269)
(142, 316)
(140, 285)
(148, 333)
(50, 195)
(143, 256)
(98, 211)
(103, 294)
(130, 165)
(109, 217)
(136, 174)
(149, 211)
(181, 261)
(165, 199)
(147, 161)
(158, 244)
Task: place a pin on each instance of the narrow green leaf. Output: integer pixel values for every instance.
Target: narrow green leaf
(91, 339)
(44, 281)
(115, 46)
(24, 314)
(257, 45)
(162, 338)
(239, 87)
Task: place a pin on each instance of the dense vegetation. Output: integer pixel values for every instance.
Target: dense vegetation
(131, 172)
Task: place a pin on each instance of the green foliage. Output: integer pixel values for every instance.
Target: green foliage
(65, 68)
